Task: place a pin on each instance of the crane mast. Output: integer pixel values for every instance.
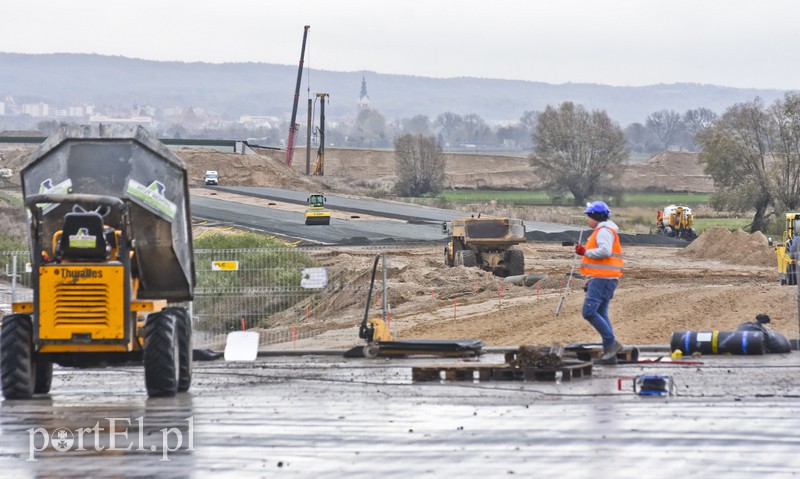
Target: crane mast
(293, 126)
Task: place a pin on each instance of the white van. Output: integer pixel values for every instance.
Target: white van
(211, 178)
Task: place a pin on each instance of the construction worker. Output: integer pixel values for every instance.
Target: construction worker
(602, 264)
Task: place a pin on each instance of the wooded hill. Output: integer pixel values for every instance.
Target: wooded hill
(234, 89)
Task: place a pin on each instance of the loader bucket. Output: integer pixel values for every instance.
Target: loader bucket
(127, 163)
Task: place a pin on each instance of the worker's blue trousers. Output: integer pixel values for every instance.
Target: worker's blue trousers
(599, 292)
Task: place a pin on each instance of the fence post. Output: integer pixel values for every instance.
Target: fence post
(13, 279)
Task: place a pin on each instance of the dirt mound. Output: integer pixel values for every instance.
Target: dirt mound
(243, 170)
(669, 171)
(685, 162)
(738, 247)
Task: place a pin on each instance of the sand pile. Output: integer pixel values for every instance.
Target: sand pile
(719, 244)
(243, 170)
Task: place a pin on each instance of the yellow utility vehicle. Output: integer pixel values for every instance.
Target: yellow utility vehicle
(316, 213)
(110, 247)
(786, 251)
(676, 222)
(488, 243)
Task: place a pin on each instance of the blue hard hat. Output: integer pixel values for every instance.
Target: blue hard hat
(597, 207)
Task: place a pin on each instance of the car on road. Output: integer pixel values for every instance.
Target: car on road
(211, 178)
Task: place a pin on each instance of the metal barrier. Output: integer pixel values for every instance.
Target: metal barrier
(284, 293)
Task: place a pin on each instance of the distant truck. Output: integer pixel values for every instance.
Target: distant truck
(211, 178)
(488, 243)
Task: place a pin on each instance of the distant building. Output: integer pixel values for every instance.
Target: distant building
(9, 106)
(145, 121)
(80, 111)
(259, 120)
(363, 98)
(36, 110)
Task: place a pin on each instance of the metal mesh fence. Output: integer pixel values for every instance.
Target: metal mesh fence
(283, 293)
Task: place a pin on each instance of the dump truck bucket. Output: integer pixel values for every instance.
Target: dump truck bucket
(127, 163)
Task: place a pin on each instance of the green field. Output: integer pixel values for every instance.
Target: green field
(732, 224)
(541, 198)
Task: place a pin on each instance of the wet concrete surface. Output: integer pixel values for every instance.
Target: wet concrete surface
(326, 416)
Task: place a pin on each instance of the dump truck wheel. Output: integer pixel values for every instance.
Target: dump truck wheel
(791, 274)
(183, 327)
(44, 375)
(516, 262)
(447, 260)
(161, 355)
(468, 258)
(16, 357)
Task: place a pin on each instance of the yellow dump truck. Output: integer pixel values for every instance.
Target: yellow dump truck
(112, 261)
(486, 242)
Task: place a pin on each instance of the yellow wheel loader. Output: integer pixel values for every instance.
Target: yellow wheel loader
(317, 214)
(110, 244)
(786, 251)
(488, 243)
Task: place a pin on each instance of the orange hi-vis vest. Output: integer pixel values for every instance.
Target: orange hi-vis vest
(610, 267)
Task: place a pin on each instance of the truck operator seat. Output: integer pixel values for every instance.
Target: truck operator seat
(82, 238)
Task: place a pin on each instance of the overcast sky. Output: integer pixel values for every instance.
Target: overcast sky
(614, 42)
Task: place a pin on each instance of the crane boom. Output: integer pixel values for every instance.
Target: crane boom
(293, 127)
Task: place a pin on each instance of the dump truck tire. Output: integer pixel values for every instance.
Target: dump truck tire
(791, 274)
(183, 327)
(16, 357)
(468, 258)
(161, 355)
(516, 262)
(44, 376)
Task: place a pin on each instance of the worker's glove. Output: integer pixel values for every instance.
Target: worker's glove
(579, 249)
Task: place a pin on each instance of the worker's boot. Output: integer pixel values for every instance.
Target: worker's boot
(610, 353)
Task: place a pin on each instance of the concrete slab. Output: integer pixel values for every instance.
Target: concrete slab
(326, 416)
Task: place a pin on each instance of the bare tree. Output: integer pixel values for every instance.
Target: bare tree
(476, 128)
(452, 126)
(369, 128)
(576, 150)
(641, 139)
(695, 121)
(419, 162)
(753, 154)
(418, 125)
(665, 125)
(786, 152)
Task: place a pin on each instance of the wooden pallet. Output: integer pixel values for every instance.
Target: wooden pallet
(570, 370)
(627, 353)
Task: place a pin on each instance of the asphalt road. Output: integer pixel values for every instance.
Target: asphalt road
(325, 416)
(419, 224)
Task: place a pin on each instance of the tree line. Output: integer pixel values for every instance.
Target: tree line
(752, 151)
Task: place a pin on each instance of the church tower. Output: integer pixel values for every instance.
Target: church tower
(363, 99)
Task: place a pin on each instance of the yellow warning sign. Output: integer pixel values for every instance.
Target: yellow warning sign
(224, 265)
